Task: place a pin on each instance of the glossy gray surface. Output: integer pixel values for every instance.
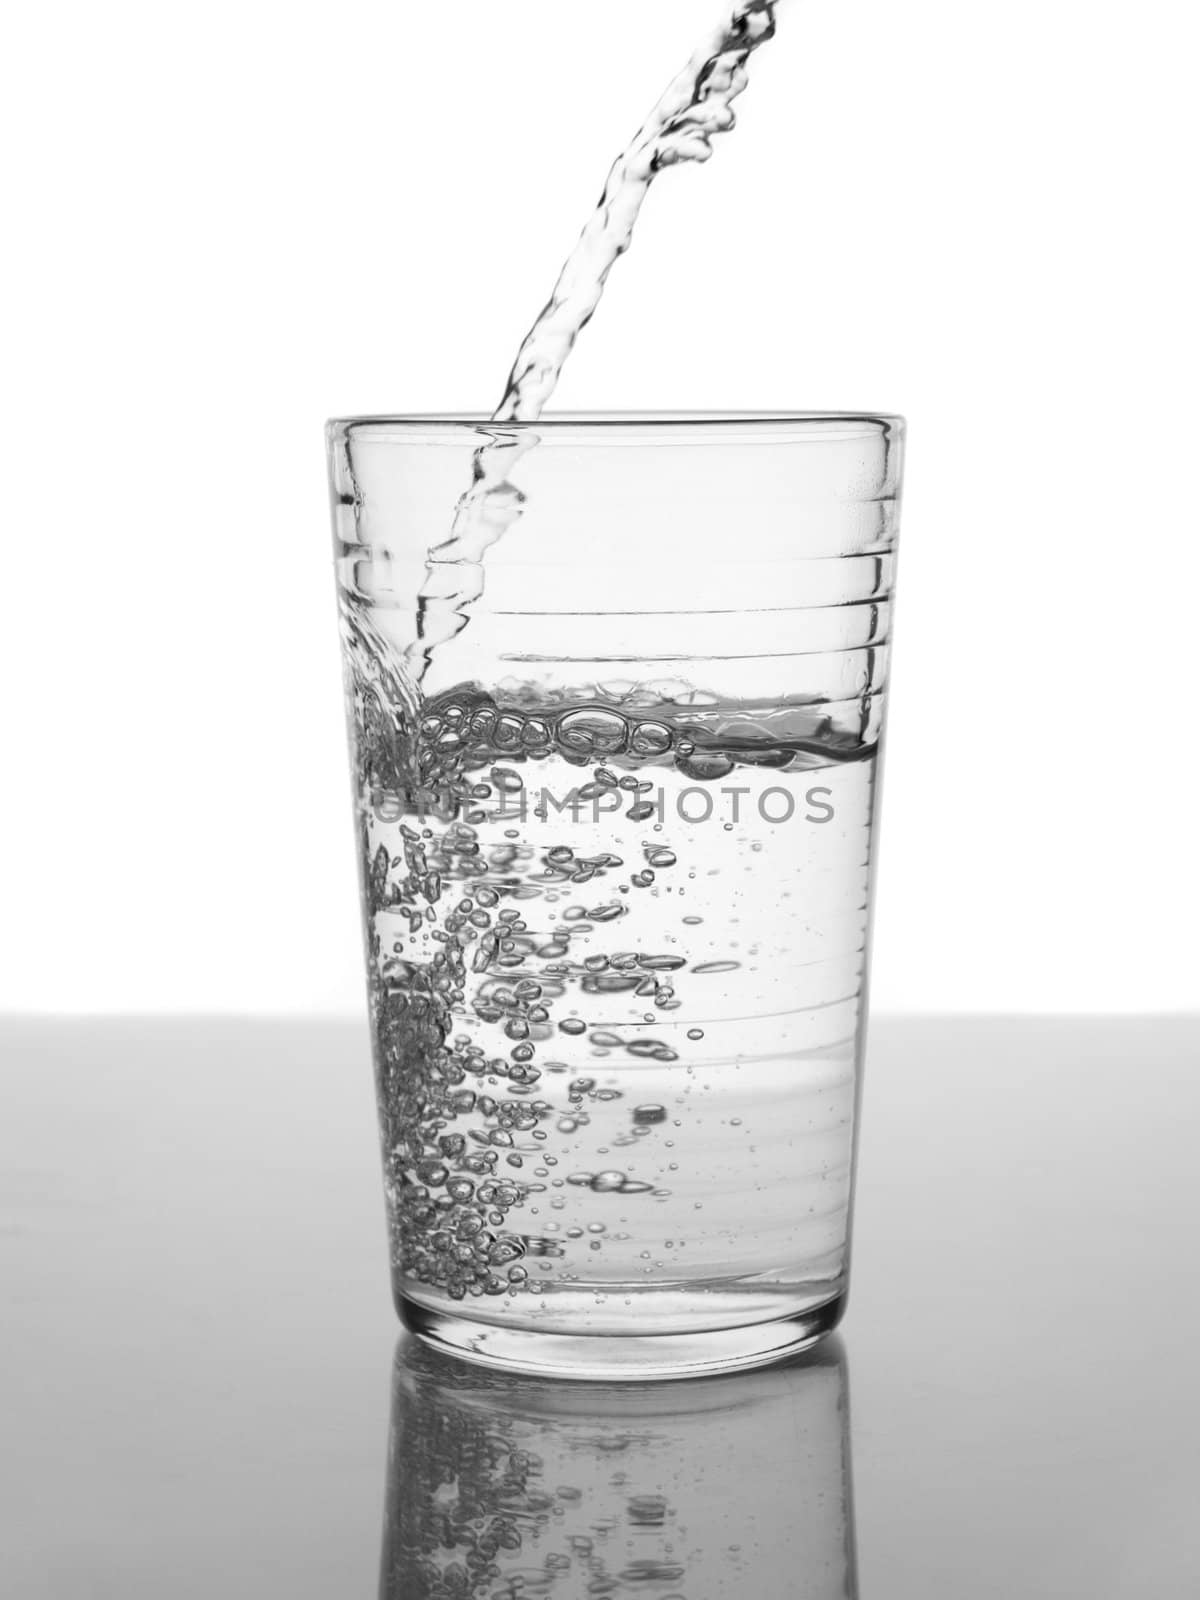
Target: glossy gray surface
(197, 1341)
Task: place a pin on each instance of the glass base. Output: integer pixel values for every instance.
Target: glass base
(622, 1358)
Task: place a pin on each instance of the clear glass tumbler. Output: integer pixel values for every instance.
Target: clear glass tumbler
(615, 744)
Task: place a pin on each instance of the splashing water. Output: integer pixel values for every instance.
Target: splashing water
(696, 107)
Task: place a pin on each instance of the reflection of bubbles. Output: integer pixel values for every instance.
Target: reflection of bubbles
(505, 1488)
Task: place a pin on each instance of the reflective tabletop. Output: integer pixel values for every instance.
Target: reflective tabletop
(204, 1390)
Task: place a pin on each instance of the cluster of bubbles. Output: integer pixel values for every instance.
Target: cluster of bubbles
(582, 733)
(468, 1132)
(458, 1120)
(699, 737)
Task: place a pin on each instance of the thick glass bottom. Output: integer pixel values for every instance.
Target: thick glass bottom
(623, 1358)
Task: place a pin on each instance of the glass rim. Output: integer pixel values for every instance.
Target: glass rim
(631, 426)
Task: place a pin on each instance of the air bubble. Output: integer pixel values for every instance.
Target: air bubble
(649, 1114)
(593, 730)
(651, 1049)
(483, 956)
(650, 739)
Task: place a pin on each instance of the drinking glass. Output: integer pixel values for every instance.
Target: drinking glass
(616, 691)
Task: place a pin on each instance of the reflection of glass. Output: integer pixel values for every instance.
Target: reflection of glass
(505, 1487)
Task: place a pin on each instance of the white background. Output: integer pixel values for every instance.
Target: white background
(227, 222)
